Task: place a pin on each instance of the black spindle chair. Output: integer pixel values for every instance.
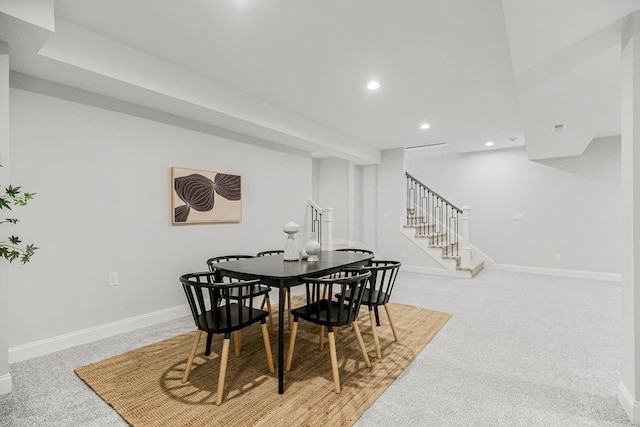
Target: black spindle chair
(287, 293)
(378, 291)
(217, 310)
(332, 313)
(262, 290)
(355, 250)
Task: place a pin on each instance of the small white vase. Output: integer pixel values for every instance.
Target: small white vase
(312, 248)
(290, 248)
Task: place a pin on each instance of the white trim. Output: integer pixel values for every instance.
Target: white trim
(6, 384)
(434, 271)
(630, 406)
(577, 274)
(95, 333)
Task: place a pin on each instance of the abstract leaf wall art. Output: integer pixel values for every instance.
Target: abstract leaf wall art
(205, 196)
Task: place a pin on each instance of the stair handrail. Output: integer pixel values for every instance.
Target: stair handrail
(418, 181)
(434, 216)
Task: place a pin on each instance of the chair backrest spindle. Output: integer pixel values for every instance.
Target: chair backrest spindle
(271, 252)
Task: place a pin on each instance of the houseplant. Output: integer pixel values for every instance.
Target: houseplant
(14, 248)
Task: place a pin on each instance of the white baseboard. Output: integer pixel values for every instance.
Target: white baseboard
(84, 336)
(629, 404)
(434, 271)
(577, 274)
(6, 384)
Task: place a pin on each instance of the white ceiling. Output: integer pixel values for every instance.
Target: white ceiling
(293, 72)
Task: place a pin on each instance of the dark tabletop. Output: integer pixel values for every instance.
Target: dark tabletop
(274, 266)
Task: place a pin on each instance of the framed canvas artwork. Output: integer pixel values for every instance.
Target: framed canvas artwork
(199, 196)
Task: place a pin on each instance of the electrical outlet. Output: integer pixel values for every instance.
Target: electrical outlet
(558, 257)
(517, 216)
(404, 254)
(113, 279)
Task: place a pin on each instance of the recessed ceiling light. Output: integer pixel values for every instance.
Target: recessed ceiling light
(488, 143)
(373, 85)
(425, 126)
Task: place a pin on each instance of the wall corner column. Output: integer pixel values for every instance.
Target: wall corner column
(5, 377)
(629, 386)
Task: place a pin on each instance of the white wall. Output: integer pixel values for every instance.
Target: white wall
(368, 214)
(103, 205)
(315, 180)
(333, 191)
(570, 206)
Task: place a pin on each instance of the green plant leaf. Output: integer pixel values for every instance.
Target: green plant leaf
(13, 255)
(12, 191)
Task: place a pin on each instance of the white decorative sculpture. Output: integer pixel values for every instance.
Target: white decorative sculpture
(312, 248)
(290, 248)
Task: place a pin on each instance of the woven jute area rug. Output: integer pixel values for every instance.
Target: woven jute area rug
(144, 385)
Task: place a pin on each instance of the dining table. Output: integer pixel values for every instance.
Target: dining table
(274, 271)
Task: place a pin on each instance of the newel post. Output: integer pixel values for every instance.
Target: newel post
(465, 238)
(327, 226)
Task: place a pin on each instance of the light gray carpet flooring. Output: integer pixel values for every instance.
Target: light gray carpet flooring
(520, 350)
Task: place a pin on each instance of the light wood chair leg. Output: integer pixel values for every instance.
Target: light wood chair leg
(324, 292)
(223, 370)
(374, 329)
(356, 329)
(267, 347)
(194, 347)
(271, 329)
(393, 328)
(321, 335)
(292, 344)
(237, 342)
(334, 362)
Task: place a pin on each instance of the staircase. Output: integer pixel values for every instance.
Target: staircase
(440, 229)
